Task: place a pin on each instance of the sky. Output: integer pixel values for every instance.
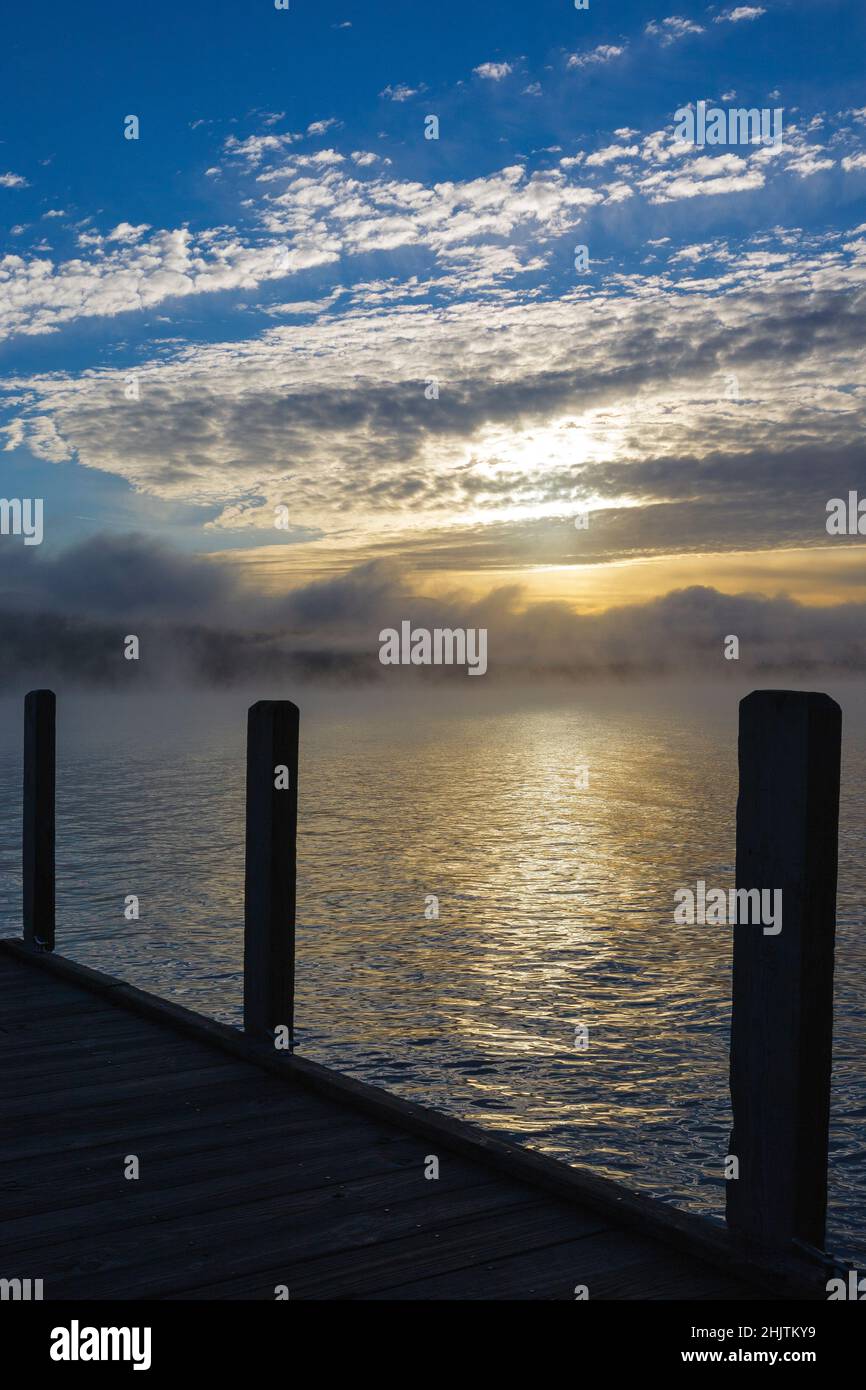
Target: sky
(283, 368)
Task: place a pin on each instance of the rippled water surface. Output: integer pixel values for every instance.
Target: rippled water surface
(555, 903)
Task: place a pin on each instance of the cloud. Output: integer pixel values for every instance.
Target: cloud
(382, 213)
(529, 419)
(119, 575)
(402, 92)
(254, 148)
(705, 178)
(322, 127)
(604, 53)
(198, 626)
(126, 232)
(36, 296)
(742, 12)
(13, 181)
(298, 307)
(306, 210)
(610, 153)
(679, 169)
(494, 72)
(670, 30)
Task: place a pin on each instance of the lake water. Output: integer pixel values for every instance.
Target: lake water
(555, 902)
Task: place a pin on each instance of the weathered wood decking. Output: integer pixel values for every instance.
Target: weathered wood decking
(259, 1171)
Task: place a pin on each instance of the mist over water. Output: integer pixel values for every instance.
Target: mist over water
(556, 902)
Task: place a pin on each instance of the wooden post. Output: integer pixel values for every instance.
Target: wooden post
(269, 896)
(38, 837)
(782, 1013)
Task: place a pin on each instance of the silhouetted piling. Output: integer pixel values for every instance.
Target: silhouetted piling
(782, 1013)
(269, 894)
(38, 831)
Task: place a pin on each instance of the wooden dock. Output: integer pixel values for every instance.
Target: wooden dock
(151, 1153)
(250, 1179)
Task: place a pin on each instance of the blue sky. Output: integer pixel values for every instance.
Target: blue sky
(245, 307)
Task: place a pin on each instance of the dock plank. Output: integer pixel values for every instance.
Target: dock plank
(606, 1265)
(207, 1104)
(137, 1207)
(305, 1152)
(153, 1261)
